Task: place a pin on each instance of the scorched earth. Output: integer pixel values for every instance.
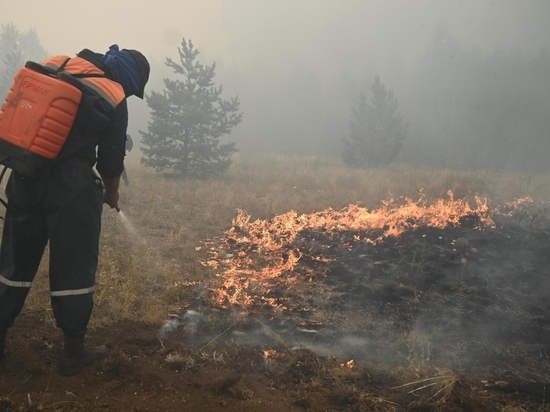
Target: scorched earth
(409, 307)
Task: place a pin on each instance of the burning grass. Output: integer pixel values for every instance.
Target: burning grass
(251, 254)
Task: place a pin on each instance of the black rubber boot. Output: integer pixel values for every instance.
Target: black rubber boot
(77, 356)
(3, 333)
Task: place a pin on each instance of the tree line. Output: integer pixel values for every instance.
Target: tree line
(463, 109)
(481, 111)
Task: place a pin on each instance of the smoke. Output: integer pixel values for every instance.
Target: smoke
(190, 319)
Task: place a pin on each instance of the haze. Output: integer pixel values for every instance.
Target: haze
(283, 56)
(242, 33)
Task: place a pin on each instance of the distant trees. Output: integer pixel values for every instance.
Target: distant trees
(16, 47)
(476, 110)
(188, 119)
(376, 129)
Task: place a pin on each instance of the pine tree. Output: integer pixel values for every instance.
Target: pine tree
(16, 47)
(188, 119)
(376, 130)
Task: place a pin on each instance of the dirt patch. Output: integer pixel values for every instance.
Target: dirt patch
(452, 319)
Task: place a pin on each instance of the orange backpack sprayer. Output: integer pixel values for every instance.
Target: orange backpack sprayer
(36, 117)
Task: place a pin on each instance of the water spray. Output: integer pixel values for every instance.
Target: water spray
(130, 228)
(120, 214)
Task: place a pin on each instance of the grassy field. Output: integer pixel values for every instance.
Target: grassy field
(150, 253)
(152, 267)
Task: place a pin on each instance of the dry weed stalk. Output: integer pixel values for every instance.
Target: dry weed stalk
(435, 390)
(175, 358)
(276, 336)
(213, 357)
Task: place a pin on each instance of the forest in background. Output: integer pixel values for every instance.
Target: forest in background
(467, 108)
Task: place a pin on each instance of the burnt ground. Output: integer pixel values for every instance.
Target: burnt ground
(453, 319)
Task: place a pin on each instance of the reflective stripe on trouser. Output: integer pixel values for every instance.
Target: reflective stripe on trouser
(15, 284)
(64, 209)
(73, 292)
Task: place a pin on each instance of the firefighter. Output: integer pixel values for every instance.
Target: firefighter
(64, 205)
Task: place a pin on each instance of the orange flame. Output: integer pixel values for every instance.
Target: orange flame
(259, 249)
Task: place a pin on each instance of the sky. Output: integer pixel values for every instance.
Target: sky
(238, 33)
(262, 41)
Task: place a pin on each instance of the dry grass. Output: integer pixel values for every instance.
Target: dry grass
(149, 258)
(146, 264)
